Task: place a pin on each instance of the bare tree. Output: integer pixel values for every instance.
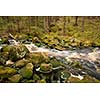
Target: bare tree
(64, 25)
(83, 23)
(76, 21)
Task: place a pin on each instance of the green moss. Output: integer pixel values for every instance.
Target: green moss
(21, 63)
(65, 74)
(15, 78)
(36, 77)
(27, 71)
(3, 57)
(46, 67)
(7, 71)
(17, 52)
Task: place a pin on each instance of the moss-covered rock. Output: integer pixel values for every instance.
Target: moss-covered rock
(6, 48)
(7, 71)
(38, 58)
(17, 52)
(46, 68)
(27, 71)
(73, 80)
(3, 57)
(21, 63)
(42, 81)
(15, 78)
(36, 77)
(55, 63)
(89, 79)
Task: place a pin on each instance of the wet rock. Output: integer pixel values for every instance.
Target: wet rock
(45, 68)
(27, 71)
(76, 65)
(73, 80)
(89, 79)
(55, 63)
(86, 79)
(17, 52)
(15, 78)
(6, 48)
(65, 75)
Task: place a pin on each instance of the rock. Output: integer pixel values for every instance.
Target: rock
(27, 71)
(7, 71)
(38, 58)
(42, 81)
(45, 68)
(36, 77)
(55, 63)
(6, 48)
(21, 63)
(89, 79)
(73, 80)
(65, 74)
(3, 57)
(15, 78)
(17, 52)
(9, 62)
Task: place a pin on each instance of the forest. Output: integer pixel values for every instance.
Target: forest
(49, 49)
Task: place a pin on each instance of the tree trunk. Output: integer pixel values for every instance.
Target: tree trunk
(83, 24)
(76, 21)
(29, 26)
(36, 21)
(46, 23)
(64, 25)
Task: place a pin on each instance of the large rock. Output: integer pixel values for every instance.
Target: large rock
(7, 71)
(27, 71)
(15, 78)
(38, 58)
(45, 68)
(21, 63)
(3, 57)
(17, 52)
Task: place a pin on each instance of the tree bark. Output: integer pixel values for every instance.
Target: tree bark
(76, 21)
(64, 25)
(83, 23)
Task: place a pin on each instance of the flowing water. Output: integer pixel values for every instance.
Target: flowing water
(89, 58)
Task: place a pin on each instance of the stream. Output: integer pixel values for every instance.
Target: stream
(89, 58)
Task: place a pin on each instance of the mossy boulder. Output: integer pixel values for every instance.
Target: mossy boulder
(7, 71)
(3, 57)
(15, 78)
(89, 79)
(46, 68)
(55, 63)
(38, 58)
(27, 71)
(42, 81)
(21, 63)
(6, 48)
(17, 52)
(73, 80)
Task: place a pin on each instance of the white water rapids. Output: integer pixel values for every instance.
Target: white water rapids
(88, 57)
